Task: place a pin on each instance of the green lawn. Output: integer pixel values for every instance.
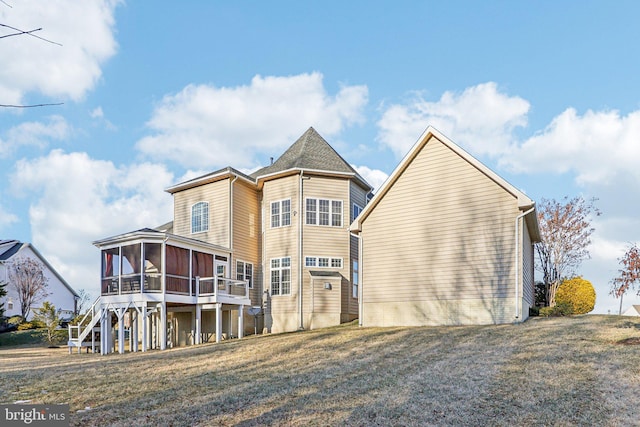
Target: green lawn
(558, 371)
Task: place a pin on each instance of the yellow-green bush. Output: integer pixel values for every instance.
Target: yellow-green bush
(578, 293)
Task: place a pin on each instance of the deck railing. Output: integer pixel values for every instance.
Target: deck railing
(214, 286)
(176, 285)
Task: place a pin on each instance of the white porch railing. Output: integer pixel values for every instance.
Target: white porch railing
(78, 333)
(216, 286)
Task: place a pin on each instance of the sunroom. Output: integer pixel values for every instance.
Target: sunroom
(168, 290)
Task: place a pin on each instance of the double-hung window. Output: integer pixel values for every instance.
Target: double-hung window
(324, 212)
(244, 271)
(280, 213)
(281, 276)
(200, 217)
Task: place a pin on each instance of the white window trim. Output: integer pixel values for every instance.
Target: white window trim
(244, 271)
(280, 213)
(316, 263)
(206, 223)
(353, 211)
(280, 269)
(331, 212)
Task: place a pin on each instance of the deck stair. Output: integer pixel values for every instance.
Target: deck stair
(84, 333)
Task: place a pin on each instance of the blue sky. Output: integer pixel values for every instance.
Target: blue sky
(545, 93)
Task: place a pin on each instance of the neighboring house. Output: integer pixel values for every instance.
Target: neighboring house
(634, 310)
(60, 294)
(275, 242)
(445, 241)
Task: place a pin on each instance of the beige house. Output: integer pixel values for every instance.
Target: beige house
(270, 251)
(445, 241)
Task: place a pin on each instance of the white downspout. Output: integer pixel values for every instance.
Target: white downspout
(517, 241)
(231, 216)
(300, 225)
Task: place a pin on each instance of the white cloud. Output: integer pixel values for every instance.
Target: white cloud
(481, 118)
(6, 217)
(86, 31)
(205, 126)
(375, 177)
(76, 200)
(597, 147)
(98, 115)
(35, 134)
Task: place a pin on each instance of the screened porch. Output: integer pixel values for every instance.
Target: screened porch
(160, 265)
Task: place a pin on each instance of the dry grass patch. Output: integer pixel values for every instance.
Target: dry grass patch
(557, 371)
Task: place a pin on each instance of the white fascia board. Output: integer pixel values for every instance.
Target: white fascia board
(524, 202)
(205, 179)
(158, 237)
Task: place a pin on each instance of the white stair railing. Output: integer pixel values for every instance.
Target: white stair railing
(86, 324)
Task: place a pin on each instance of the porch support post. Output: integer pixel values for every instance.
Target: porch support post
(133, 332)
(218, 322)
(93, 339)
(163, 326)
(240, 321)
(120, 313)
(145, 315)
(103, 331)
(197, 339)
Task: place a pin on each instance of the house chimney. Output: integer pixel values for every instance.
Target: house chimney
(271, 160)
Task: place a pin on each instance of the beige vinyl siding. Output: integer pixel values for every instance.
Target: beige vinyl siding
(217, 195)
(246, 234)
(282, 310)
(325, 303)
(443, 232)
(328, 241)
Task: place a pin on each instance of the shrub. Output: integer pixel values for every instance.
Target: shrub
(33, 324)
(15, 320)
(578, 294)
(534, 311)
(560, 309)
(25, 326)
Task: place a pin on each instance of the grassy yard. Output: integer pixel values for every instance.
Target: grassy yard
(560, 371)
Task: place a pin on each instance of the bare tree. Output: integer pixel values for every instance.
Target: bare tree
(629, 273)
(27, 278)
(565, 229)
(3, 292)
(83, 301)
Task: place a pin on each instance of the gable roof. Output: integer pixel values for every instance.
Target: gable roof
(210, 177)
(8, 248)
(524, 202)
(12, 249)
(634, 310)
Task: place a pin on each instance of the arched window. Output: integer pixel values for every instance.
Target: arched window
(200, 217)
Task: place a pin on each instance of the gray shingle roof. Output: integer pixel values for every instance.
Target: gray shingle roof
(310, 151)
(9, 249)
